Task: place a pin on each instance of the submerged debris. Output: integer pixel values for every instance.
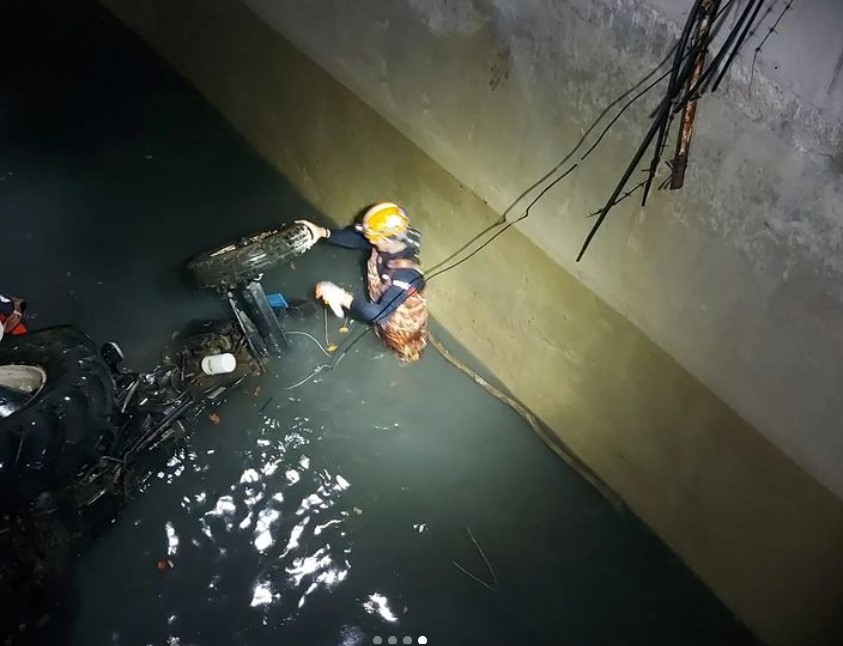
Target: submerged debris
(489, 568)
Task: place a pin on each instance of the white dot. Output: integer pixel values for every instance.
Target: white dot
(422, 640)
(393, 640)
(377, 640)
(407, 640)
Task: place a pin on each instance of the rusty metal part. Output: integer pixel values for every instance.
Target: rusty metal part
(689, 112)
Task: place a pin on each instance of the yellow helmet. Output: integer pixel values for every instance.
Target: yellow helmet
(384, 220)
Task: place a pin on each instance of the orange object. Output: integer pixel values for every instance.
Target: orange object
(332, 347)
(12, 324)
(343, 330)
(215, 419)
(162, 564)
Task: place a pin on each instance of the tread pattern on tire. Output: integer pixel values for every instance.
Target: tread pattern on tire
(244, 260)
(65, 426)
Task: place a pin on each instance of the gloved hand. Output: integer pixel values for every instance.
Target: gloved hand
(316, 232)
(334, 297)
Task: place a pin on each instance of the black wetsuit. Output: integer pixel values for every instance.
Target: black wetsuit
(361, 308)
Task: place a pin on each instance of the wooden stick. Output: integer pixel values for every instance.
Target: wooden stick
(483, 554)
(471, 576)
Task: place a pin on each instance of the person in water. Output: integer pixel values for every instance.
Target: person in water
(395, 306)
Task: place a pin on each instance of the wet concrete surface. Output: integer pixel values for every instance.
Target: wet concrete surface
(330, 513)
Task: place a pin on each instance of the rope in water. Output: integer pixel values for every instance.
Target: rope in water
(551, 441)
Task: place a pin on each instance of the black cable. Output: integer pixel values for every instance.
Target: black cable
(502, 220)
(759, 4)
(654, 128)
(476, 251)
(508, 225)
(629, 193)
(718, 17)
(566, 158)
(772, 29)
(585, 135)
(663, 115)
(437, 269)
(764, 17)
(619, 114)
(698, 88)
(769, 33)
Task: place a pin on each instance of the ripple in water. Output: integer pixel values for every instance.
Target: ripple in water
(284, 507)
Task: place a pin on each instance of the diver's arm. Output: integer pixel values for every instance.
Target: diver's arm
(405, 282)
(360, 309)
(347, 238)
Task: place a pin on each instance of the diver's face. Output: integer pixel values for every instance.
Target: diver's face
(388, 245)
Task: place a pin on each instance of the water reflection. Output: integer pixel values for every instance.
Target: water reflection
(378, 604)
(283, 505)
(172, 539)
(253, 529)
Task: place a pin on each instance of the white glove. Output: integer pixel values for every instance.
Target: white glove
(333, 296)
(316, 232)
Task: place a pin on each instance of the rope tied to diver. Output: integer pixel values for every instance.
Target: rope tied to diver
(553, 442)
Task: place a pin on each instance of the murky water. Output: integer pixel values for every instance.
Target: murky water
(331, 513)
(338, 511)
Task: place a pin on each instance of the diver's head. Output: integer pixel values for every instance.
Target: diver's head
(387, 227)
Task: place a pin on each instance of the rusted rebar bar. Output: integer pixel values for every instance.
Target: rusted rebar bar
(689, 112)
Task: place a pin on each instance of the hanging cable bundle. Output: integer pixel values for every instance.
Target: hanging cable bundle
(690, 79)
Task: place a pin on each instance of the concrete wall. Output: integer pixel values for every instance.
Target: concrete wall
(760, 531)
(739, 276)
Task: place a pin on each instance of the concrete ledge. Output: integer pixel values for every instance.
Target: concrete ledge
(760, 532)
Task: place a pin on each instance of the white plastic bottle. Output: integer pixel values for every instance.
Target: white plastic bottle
(219, 364)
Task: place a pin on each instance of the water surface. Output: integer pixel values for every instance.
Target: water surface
(331, 513)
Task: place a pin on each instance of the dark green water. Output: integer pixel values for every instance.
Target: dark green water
(331, 513)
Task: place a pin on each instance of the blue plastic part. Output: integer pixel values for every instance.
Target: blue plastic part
(277, 301)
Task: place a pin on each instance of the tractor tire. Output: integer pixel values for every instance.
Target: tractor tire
(242, 261)
(66, 422)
